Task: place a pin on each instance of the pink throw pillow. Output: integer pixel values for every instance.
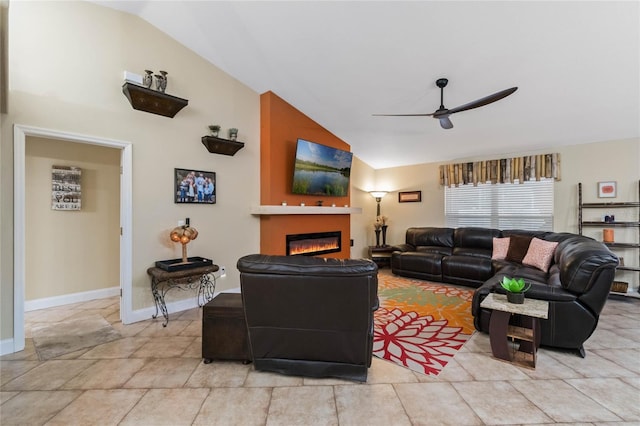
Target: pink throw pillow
(500, 248)
(540, 254)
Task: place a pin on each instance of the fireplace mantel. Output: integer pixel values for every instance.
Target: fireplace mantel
(279, 209)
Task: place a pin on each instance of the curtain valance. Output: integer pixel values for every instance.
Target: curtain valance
(505, 170)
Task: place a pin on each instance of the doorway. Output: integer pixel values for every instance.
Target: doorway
(20, 139)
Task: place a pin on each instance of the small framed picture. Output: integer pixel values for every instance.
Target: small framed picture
(607, 189)
(410, 197)
(194, 186)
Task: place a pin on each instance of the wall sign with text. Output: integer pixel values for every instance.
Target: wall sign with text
(65, 188)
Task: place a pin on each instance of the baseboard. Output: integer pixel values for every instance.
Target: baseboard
(66, 299)
(173, 307)
(6, 346)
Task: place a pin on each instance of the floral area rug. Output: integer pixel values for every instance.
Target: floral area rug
(420, 325)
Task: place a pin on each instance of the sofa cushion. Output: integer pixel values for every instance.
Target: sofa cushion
(427, 263)
(518, 246)
(473, 252)
(540, 254)
(466, 270)
(475, 237)
(445, 251)
(500, 248)
(425, 236)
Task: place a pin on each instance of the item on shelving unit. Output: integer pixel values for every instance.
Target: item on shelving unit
(284, 203)
(147, 80)
(233, 133)
(319, 203)
(384, 235)
(621, 260)
(619, 287)
(607, 235)
(161, 81)
(184, 235)
(215, 129)
(301, 204)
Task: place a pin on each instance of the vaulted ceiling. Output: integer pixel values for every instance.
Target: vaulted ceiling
(576, 65)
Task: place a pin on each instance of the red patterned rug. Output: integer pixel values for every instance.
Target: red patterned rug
(420, 325)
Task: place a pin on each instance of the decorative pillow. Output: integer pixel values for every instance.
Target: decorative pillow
(500, 248)
(518, 246)
(540, 254)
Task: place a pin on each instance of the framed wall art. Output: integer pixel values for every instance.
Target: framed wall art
(607, 189)
(194, 187)
(66, 193)
(410, 197)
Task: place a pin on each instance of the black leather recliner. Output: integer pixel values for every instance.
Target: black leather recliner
(310, 316)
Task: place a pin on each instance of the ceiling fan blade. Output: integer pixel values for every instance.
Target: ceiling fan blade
(484, 101)
(402, 115)
(445, 123)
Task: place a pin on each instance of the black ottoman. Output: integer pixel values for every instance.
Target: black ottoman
(224, 329)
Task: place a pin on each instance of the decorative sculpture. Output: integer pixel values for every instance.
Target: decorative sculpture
(184, 235)
(147, 79)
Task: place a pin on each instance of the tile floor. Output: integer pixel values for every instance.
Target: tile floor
(154, 376)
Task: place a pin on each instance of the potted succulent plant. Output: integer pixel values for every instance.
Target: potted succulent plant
(515, 288)
(233, 133)
(215, 128)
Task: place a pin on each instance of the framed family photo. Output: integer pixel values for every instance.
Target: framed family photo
(194, 187)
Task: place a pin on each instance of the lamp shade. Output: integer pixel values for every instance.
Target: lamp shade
(378, 194)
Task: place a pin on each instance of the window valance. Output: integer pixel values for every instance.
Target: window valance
(505, 170)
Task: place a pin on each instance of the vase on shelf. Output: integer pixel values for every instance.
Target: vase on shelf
(384, 235)
(377, 238)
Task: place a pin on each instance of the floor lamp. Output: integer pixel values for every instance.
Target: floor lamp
(378, 196)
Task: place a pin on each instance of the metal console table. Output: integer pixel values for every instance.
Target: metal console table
(188, 279)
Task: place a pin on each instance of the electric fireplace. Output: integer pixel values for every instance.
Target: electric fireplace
(314, 243)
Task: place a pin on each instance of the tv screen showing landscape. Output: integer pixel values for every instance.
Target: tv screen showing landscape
(321, 170)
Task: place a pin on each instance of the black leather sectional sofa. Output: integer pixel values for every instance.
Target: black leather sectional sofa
(576, 284)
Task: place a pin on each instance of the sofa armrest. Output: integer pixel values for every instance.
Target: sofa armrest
(404, 247)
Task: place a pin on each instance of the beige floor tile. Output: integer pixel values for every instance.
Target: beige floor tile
(371, 405)
(73, 355)
(121, 348)
(194, 350)
(499, 403)
(35, 407)
(482, 366)
(633, 381)
(618, 321)
(194, 314)
(235, 407)
(452, 372)
(173, 328)
(9, 370)
(612, 393)
(478, 342)
(435, 404)
(130, 330)
(548, 367)
(304, 406)
(164, 347)
(607, 339)
(49, 315)
(383, 371)
(48, 375)
(627, 358)
(98, 407)
(194, 329)
(267, 379)
(163, 373)
(592, 365)
(562, 402)
(326, 381)
(171, 407)
(5, 396)
(106, 374)
(219, 374)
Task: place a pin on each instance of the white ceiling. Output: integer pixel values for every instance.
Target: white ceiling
(576, 65)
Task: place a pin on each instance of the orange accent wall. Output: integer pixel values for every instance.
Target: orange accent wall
(280, 127)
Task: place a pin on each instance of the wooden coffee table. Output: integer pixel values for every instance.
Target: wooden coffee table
(517, 344)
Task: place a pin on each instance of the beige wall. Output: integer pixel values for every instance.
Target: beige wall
(71, 251)
(66, 64)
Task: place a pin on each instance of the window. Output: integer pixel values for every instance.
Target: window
(502, 206)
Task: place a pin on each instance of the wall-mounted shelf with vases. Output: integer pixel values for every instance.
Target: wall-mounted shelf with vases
(614, 224)
(153, 101)
(216, 145)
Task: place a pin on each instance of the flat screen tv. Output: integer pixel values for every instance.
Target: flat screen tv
(321, 170)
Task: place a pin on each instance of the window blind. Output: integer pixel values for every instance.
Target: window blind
(508, 206)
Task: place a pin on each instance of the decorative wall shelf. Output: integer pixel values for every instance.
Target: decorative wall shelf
(152, 101)
(217, 145)
(273, 210)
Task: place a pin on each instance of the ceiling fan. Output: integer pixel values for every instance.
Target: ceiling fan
(442, 113)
